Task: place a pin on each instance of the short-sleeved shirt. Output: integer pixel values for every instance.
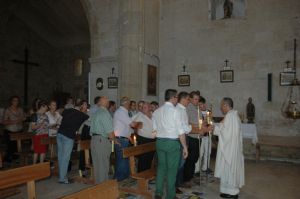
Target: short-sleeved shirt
(121, 122)
(192, 112)
(166, 122)
(39, 119)
(9, 114)
(184, 118)
(71, 122)
(101, 122)
(54, 119)
(147, 130)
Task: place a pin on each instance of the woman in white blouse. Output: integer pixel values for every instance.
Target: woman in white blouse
(54, 118)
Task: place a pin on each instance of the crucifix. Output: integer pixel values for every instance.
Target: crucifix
(26, 64)
(226, 62)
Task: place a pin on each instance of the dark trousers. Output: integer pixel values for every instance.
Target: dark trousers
(189, 166)
(144, 160)
(122, 164)
(11, 146)
(85, 135)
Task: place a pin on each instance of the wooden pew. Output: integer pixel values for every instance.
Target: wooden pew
(85, 145)
(19, 137)
(28, 174)
(105, 190)
(51, 142)
(141, 177)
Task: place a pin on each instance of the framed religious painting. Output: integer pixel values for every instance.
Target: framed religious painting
(226, 76)
(183, 80)
(152, 80)
(112, 82)
(286, 78)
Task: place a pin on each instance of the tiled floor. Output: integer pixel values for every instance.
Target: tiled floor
(264, 180)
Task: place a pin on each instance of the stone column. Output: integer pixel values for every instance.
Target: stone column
(131, 48)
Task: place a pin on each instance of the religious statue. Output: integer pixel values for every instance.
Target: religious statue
(250, 111)
(228, 8)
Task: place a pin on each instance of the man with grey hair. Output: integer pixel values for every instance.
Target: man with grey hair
(230, 159)
(122, 124)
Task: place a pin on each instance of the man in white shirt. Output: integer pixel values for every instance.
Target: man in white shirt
(122, 124)
(145, 135)
(183, 99)
(230, 159)
(170, 138)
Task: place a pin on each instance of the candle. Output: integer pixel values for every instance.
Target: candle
(134, 140)
(199, 119)
(112, 146)
(200, 123)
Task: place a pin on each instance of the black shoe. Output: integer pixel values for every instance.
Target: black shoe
(224, 195)
(178, 191)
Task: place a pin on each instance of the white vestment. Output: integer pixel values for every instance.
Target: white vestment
(230, 159)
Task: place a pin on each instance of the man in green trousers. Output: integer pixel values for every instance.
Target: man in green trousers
(170, 136)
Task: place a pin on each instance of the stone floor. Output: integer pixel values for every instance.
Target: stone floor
(264, 180)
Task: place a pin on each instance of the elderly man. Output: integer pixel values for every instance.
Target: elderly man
(122, 124)
(102, 133)
(230, 159)
(145, 135)
(169, 144)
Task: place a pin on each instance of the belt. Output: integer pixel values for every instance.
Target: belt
(121, 137)
(95, 134)
(171, 139)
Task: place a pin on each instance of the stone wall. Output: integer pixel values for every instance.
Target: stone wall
(255, 45)
(56, 64)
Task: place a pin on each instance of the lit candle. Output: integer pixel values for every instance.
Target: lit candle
(112, 146)
(200, 123)
(199, 119)
(134, 140)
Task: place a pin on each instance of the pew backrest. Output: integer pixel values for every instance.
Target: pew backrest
(22, 175)
(131, 152)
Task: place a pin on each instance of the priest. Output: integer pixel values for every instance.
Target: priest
(230, 160)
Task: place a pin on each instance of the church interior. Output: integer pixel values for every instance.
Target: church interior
(72, 51)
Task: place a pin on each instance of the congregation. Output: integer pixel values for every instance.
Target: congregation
(175, 126)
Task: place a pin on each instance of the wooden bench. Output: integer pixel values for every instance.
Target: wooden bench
(28, 174)
(85, 145)
(141, 177)
(19, 137)
(51, 142)
(278, 141)
(106, 190)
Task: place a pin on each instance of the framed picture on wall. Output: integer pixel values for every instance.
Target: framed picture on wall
(226, 76)
(151, 80)
(183, 80)
(112, 82)
(286, 78)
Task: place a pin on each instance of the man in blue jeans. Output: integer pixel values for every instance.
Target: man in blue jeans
(122, 127)
(71, 122)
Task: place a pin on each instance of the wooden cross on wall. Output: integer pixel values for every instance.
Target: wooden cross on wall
(26, 65)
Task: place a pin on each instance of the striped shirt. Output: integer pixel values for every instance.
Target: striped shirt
(101, 122)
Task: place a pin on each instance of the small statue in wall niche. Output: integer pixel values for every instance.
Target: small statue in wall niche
(228, 8)
(250, 111)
